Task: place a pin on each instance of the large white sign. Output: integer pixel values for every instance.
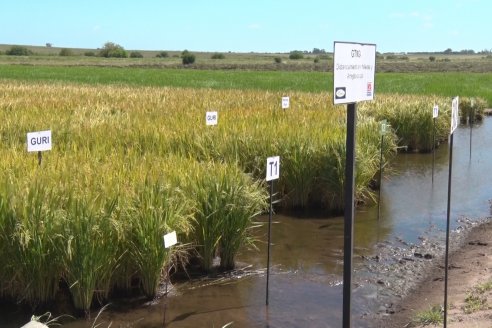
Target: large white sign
(211, 118)
(354, 66)
(273, 168)
(39, 141)
(454, 114)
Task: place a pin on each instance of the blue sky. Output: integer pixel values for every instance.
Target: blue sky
(251, 25)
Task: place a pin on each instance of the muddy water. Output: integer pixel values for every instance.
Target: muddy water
(306, 274)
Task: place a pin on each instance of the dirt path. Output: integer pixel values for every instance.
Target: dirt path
(470, 267)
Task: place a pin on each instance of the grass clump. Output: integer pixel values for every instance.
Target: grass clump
(432, 316)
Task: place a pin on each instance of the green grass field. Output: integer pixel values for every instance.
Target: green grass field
(446, 84)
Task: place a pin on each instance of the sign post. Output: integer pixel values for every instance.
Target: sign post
(285, 103)
(211, 118)
(384, 127)
(39, 141)
(170, 239)
(435, 114)
(272, 173)
(472, 118)
(353, 81)
(454, 125)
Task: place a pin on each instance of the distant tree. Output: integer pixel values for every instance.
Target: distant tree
(162, 54)
(49, 45)
(218, 55)
(317, 51)
(136, 54)
(432, 58)
(448, 51)
(316, 59)
(18, 51)
(277, 60)
(296, 54)
(187, 57)
(89, 53)
(113, 50)
(66, 52)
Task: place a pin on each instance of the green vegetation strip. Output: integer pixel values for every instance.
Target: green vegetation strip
(448, 84)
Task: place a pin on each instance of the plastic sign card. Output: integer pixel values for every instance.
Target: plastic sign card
(285, 102)
(273, 168)
(435, 111)
(39, 141)
(384, 127)
(454, 114)
(354, 66)
(170, 239)
(211, 118)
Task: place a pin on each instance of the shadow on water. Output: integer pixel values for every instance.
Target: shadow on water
(307, 254)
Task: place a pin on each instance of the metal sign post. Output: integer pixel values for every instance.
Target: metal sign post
(435, 114)
(472, 118)
(170, 239)
(353, 81)
(272, 173)
(384, 126)
(454, 125)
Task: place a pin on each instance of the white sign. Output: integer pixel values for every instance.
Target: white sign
(170, 239)
(285, 102)
(354, 66)
(384, 127)
(435, 111)
(211, 118)
(454, 114)
(39, 141)
(273, 168)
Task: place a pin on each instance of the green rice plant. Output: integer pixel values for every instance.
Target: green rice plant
(157, 208)
(36, 240)
(471, 109)
(225, 201)
(91, 249)
(411, 118)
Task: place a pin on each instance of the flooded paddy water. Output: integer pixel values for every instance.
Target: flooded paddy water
(307, 251)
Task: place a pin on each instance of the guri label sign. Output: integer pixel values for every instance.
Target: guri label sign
(39, 141)
(354, 66)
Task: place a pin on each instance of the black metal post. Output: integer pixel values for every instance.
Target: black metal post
(349, 214)
(40, 157)
(380, 176)
(433, 148)
(269, 240)
(446, 258)
(471, 129)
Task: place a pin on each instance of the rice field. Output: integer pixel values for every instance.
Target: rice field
(130, 164)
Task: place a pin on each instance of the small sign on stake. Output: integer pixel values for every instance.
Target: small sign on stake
(435, 111)
(39, 141)
(273, 168)
(170, 239)
(454, 114)
(211, 118)
(285, 102)
(384, 127)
